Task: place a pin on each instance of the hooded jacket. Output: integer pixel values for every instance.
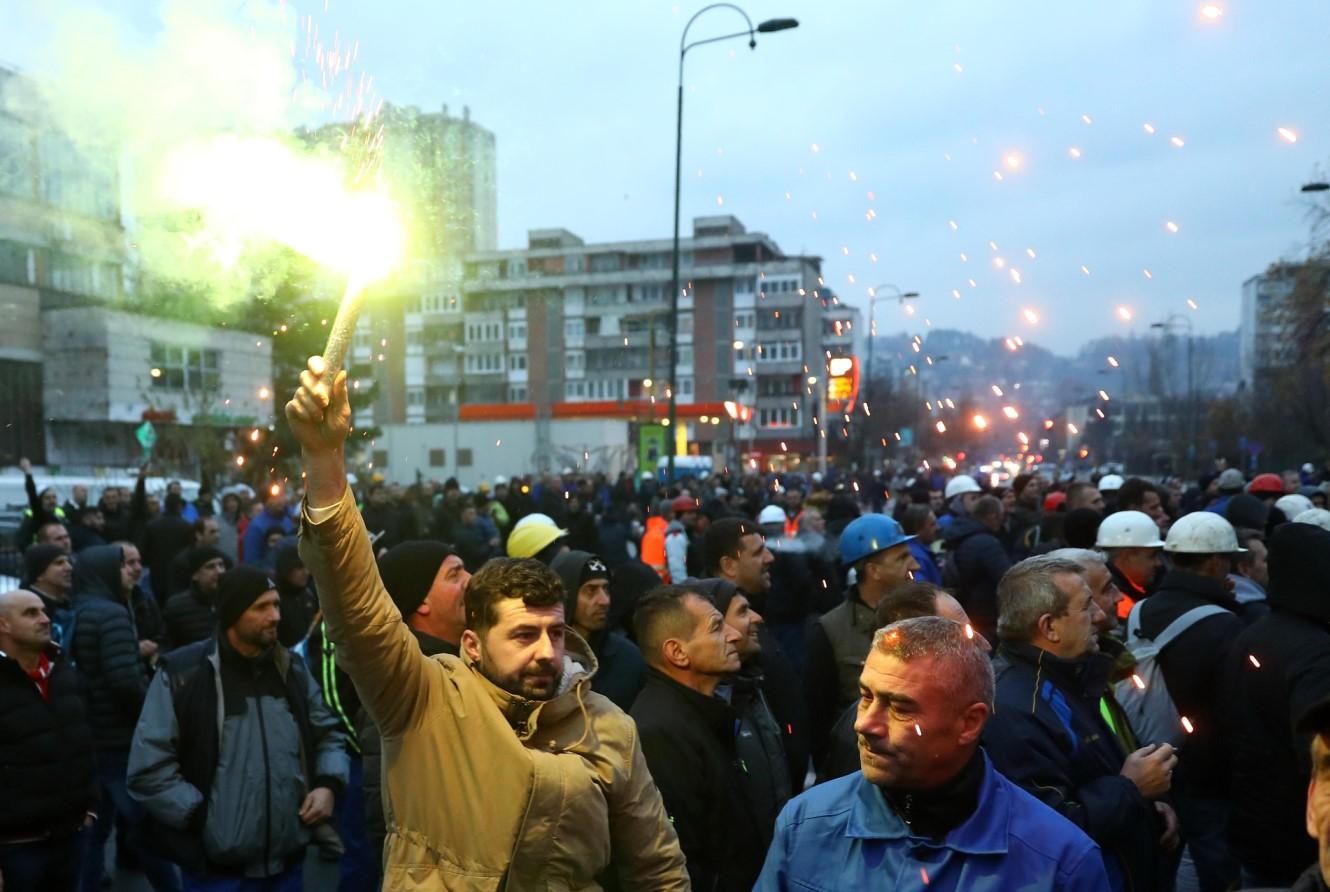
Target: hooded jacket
(486, 790)
(1047, 735)
(975, 564)
(622, 671)
(106, 648)
(1269, 764)
(189, 617)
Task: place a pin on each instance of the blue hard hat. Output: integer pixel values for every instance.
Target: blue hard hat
(868, 535)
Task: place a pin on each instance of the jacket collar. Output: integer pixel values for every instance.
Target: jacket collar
(1198, 586)
(983, 833)
(1085, 676)
(713, 711)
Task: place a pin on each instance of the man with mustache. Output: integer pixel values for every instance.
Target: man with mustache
(927, 807)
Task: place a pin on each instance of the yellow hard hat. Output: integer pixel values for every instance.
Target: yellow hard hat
(529, 540)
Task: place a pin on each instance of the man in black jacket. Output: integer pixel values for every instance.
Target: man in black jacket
(46, 755)
(163, 538)
(49, 574)
(105, 648)
(427, 582)
(190, 614)
(976, 561)
(1047, 733)
(586, 582)
(1201, 546)
(760, 741)
(688, 736)
(1276, 670)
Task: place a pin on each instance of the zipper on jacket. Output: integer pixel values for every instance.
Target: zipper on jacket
(267, 786)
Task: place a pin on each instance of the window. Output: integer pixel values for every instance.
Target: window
(743, 286)
(516, 331)
(184, 368)
(517, 362)
(780, 351)
(573, 328)
(574, 390)
(605, 263)
(438, 458)
(464, 458)
(517, 393)
(685, 386)
(16, 266)
(15, 159)
(782, 417)
(574, 361)
(685, 356)
(744, 320)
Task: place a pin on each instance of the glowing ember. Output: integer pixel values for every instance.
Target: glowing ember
(1255, 662)
(980, 422)
(1113, 361)
(969, 631)
(1030, 316)
(941, 427)
(264, 393)
(1074, 152)
(1177, 142)
(1124, 313)
(1287, 135)
(918, 731)
(1171, 227)
(1191, 303)
(1138, 681)
(1014, 160)
(1212, 12)
(1010, 412)
(1187, 725)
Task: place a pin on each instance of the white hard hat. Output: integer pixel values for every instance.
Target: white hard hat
(959, 485)
(1293, 504)
(500, 480)
(1128, 529)
(771, 514)
(1308, 468)
(1110, 483)
(1316, 517)
(817, 476)
(1202, 532)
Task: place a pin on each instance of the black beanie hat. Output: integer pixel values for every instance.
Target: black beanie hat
(239, 588)
(37, 558)
(720, 591)
(196, 557)
(408, 570)
(575, 569)
(287, 559)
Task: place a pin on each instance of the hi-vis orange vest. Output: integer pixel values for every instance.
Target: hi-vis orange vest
(653, 547)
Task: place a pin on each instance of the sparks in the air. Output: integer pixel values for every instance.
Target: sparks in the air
(1212, 12)
(1191, 302)
(1138, 681)
(1255, 662)
(1014, 161)
(1103, 395)
(997, 391)
(1011, 412)
(1148, 128)
(1072, 429)
(1030, 316)
(1287, 135)
(1113, 361)
(1086, 119)
(1075, 153)
(941, 427)
(1177, 141)
(1187, 725)
(980, 422)
(1125, 313)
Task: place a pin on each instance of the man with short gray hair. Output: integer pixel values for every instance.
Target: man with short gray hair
(926, 802)
(1048, 733)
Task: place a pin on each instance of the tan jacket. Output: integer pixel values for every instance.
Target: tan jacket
(484, 790)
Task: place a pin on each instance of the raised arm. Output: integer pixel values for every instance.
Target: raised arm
(374, 646)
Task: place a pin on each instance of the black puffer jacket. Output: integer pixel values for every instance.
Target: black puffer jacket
(1269, 764)
(46, 757)
(189, 617)
(106, 648)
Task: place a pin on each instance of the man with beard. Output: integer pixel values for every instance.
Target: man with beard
(586, 582)
(567, 794)
(236, 757)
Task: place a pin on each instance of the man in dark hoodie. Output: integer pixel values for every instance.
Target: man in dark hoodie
(299, 605)
(189, 614)
(1276, 670)
(586, 584)
(976, 563)
(163, 538)
(427, 583)
(105, 648)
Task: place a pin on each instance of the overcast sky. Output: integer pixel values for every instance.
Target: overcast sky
(904, 110)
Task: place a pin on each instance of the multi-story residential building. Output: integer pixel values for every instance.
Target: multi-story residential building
(563, 329)
(1266, 336)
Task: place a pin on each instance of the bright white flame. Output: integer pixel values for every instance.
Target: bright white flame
(1011, 412)
(1124, 313)
(1187, 725)
(1287, 135)
(1171, 227)
(1030, 316)
(1212, 11)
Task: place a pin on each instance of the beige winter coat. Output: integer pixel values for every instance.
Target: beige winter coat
(484, 790)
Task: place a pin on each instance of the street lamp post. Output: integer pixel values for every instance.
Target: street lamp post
(901, 297)
(1176, 320)
(769, 26)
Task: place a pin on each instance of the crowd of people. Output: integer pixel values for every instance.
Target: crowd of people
(903, 679)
